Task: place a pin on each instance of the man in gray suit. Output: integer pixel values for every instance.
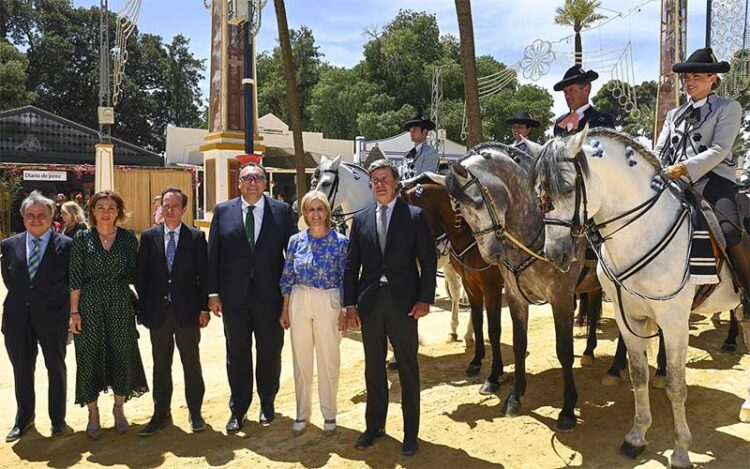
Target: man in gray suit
(423, 157)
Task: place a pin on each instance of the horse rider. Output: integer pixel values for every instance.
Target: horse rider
(695, 146)
(576, 84)
(520, 126)
(422, 157)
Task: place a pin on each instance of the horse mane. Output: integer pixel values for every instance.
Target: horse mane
(547, 166)
(355, 166)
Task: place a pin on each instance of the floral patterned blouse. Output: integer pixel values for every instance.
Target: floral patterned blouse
(315, 262)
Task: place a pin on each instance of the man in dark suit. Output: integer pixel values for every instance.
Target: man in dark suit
(387, 297)
(34, 266)
(245, 259)
(576, 84)
(173, 306)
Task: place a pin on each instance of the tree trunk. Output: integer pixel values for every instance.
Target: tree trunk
(578, 48)
(468, 58)
(291, 90)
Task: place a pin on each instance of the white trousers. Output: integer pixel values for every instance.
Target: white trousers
(313, 326)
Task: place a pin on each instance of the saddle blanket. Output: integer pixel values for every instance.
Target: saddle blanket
(703, 256)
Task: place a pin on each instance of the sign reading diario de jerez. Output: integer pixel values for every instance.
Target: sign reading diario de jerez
(29, 175)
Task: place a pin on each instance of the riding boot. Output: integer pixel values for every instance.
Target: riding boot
(740, 256)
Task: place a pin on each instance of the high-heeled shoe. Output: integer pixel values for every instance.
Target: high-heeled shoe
(121, 423)
(93, 428)
(329, 427)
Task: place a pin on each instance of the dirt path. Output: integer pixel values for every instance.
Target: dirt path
(460, 428)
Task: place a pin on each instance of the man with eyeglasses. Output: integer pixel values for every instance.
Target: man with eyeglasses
(173, 306)
(34, 267)
(422, 157)
(386, 293)
(246, 246)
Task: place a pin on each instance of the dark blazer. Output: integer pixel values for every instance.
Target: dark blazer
(46, 298)
(591, 116)
(233, 266)
(186, 282)
(409, 240)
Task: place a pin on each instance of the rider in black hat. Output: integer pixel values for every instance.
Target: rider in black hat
(695, 145)
(520, 125)
(576, 84)
(423, 157)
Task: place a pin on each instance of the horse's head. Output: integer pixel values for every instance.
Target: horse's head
(326, 178)
(435, 202)
(478, 185)
(559, 176)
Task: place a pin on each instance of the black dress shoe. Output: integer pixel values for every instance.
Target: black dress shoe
(156, 423)
(410, 447)
(267, 414)
(367, 439)
(18, 431)
(234, 424)
(61, 429)
(197, 423)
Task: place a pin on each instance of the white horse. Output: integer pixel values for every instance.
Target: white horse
(608, 177)
(347, 186)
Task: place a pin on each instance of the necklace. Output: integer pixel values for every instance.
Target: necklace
(106, 239)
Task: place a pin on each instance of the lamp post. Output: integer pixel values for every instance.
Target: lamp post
(104, 162)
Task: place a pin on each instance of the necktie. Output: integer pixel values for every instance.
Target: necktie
(35, 257)
(383, 227)
(171, 250)
(250, 226)
(571, 119)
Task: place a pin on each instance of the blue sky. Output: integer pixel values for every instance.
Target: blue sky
(502, 28)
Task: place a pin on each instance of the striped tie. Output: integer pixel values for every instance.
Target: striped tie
(35, 257)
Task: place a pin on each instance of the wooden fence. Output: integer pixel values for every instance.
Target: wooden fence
(139, 186)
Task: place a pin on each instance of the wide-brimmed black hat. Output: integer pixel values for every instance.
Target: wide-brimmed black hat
(576, 75)
(419, 121)
(523, 117)
(701, 61)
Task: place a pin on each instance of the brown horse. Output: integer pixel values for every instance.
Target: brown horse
(482, 281)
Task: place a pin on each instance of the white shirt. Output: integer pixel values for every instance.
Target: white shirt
(176, 236)
(580, 112)
(388, 215)
(260, 206)
(418, 147)
(698, 104)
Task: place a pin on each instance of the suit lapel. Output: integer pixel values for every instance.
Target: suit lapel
(159, 247)
(237, 217)
(267, 225)
(183, 246)
(398, 209)
(52, 245)
(20, 251)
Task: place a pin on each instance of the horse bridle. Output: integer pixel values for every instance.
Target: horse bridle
(334, 192)
(577, 227)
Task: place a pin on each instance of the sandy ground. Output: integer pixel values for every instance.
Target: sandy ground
(460, 428)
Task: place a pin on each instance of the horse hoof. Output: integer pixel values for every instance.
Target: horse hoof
(630, 451)
(611, 380)
(489, 388)
(473, 370)
(728, 348)
(565, 424)
(680, 462)
(716, 319)
(454, 337)
(511, 407)
(469, 343)
(659, 382)
(745, 414)
(587, 360)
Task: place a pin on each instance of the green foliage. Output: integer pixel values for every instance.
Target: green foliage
(496, 108)
(13, 66)
(9, 184)
(645, 94)
(578, 13)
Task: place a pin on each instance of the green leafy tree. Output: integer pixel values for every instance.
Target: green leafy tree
(498, 107)
(610, 99)
(580, 14)
(13, 66)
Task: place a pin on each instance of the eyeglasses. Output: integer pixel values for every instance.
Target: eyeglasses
(382, 181)
(252, 178)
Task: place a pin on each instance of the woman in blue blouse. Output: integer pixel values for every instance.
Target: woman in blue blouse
(312, 284)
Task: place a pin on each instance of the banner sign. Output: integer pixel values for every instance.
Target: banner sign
(45, 175)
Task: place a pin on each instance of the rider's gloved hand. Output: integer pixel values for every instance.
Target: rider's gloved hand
(674, 171)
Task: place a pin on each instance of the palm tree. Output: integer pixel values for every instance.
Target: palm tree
(291, 91)
(468, 58)
(580, 14)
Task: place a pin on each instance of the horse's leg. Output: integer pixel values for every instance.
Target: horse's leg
(593, 316)
(453, 288)
(619, 362)
(583, 308)
(635, 441)
(730, 343)
(745, 327)
(660, 379)
(676, 333)
(476, 301)
(562, 312)
(519, 313)
(493, 299)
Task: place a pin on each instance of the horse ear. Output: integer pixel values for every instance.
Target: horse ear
(578, 140)
(459, 171)
(337, 160)
(323, 159)
(533, 147)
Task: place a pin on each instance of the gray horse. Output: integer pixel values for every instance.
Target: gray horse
(495, 198)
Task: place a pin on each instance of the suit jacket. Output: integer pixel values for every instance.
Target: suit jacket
(591, 116)
(408, 241)
(233, 266)
(702, 139)
(186, 283)
(46, 298)
(426, 159)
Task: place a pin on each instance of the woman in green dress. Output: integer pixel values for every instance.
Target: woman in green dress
(102, 316)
